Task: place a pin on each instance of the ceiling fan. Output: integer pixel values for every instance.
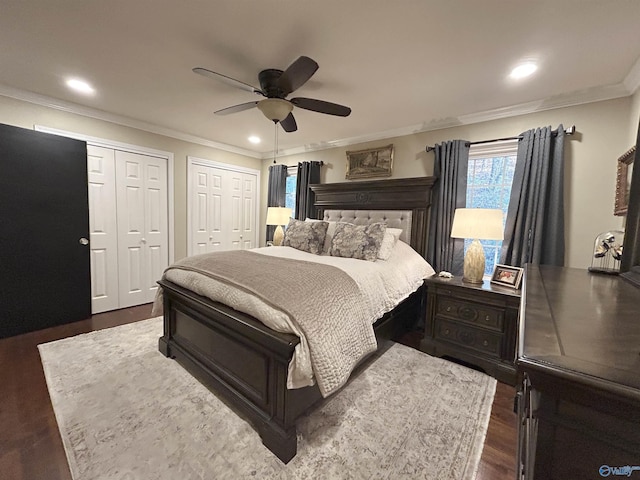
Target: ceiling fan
(276, 85)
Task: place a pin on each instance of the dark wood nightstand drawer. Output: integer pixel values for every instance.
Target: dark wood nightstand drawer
(475, 313)
(468, 336)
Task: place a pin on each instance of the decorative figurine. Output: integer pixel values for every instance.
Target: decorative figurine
(607, 252)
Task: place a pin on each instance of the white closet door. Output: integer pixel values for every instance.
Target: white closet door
(103, 229)
(207, 210)
(201, 211)
(156, 224)
(234, 210)
(215, 220)
(222, 209)
(249, 198)
(141, 183)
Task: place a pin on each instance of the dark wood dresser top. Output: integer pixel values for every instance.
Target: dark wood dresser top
(584, 326)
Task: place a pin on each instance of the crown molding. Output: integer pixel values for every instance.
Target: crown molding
(70, 107)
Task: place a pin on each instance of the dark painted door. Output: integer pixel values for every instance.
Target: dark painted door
(44, 223)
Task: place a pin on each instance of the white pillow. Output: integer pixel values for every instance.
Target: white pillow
(391, 236)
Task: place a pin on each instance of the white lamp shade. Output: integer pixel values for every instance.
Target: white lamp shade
(480, 223)
(278, 215)
(275, 109)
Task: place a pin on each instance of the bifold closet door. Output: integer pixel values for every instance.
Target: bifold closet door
(141, 191)
(249, 235)
(223, 210)
(44, 229)
(101, 163)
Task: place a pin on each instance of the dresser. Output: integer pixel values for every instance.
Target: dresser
(579, 376)
(473, 323)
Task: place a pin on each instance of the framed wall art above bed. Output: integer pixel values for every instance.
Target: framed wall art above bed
(246, 363)
(370, 163)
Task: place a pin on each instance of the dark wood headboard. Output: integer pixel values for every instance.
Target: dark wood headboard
(394, 194)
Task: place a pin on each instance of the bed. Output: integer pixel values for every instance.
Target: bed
(246, 363)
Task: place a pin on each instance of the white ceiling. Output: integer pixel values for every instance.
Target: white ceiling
(402, 66)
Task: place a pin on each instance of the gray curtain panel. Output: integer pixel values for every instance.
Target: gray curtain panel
(534, 230)
(449, 193)
(276, 192)
(308, 174)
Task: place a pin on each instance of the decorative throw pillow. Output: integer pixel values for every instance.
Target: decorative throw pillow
(305, 236)
(330, 231)
(391, 236)
(357, 241)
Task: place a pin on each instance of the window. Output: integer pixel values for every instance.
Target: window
(290, 197)
(489, 179)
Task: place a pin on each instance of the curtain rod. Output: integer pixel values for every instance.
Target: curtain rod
(568, 131)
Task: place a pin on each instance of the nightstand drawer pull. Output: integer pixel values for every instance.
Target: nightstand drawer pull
(446, 332)
(485, 343)
(448, 308)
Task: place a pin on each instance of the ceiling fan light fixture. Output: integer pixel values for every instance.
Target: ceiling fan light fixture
(275, 109)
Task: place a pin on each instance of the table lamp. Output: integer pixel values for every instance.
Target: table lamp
(278, 216)
(478, 224)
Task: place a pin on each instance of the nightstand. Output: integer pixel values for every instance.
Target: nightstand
(477, 324)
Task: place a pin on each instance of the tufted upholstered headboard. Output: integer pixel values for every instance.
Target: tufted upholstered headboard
(397, 196)
(393, 218)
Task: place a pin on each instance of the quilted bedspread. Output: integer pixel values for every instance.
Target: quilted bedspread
(323, 302)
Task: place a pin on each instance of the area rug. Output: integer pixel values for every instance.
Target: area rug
(127, 412)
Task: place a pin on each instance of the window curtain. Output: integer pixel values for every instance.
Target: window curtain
(534, 230)
(449, 192)
(308, 174)
(276, 192)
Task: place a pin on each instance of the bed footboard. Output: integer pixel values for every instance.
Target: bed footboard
(246, 363)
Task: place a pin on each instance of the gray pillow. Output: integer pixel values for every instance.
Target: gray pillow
(305, 236)
(357, 241)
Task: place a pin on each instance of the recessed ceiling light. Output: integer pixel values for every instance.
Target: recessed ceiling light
(524, 70)
(254, 139)
(80, 86)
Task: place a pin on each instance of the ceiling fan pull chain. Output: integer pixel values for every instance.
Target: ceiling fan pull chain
(275, 141)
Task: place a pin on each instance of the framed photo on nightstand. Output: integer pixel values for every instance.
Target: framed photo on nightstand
(507, 276)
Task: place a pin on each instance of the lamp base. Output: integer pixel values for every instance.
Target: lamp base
(278, 236)
(474, 263)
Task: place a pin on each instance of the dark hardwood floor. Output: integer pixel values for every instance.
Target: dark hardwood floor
(30, 445)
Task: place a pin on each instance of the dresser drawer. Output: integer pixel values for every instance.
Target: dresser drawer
(475, 313)
(465, 335)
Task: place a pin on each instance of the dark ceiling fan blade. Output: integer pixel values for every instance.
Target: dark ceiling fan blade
(228, 80)
(321, 106)
(289, 124)
(236, 108)
(297, 74)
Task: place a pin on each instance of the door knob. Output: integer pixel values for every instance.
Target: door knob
(143, 241)
(83, 241)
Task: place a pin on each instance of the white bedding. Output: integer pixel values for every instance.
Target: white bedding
(384, 283)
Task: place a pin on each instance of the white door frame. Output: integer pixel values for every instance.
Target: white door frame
(191, 162)
(127, 147)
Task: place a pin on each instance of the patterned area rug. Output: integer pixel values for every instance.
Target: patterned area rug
(127, 412)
